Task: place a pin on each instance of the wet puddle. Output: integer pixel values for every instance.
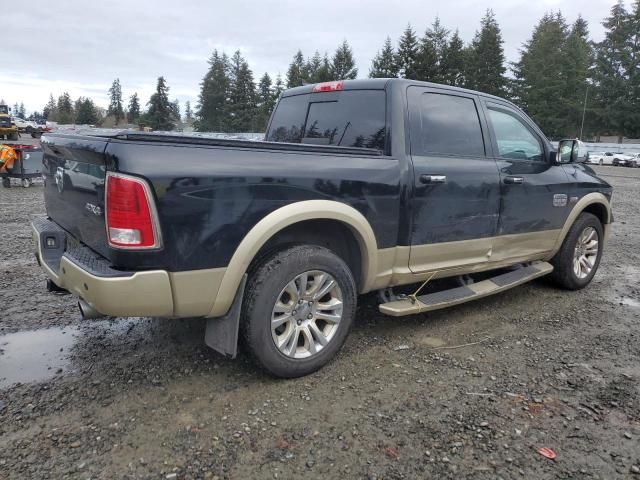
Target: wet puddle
(36, 355)
(630, 302)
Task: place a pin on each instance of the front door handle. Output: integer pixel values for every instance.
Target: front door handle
(430, 179)
(513, 180)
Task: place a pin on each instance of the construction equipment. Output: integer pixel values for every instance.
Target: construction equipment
(26, 167)
(7, 127)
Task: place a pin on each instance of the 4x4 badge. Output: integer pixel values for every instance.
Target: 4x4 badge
(560, 200)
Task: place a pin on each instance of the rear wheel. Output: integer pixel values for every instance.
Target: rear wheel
(13, 136)
(297, 311)
(578, 259)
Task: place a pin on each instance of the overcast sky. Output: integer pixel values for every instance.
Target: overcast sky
(80, 46)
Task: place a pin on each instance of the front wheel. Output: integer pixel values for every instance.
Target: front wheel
(578, 259)
(298, 309)
(601, 162)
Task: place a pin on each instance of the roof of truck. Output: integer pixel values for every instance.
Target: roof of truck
(383, 83)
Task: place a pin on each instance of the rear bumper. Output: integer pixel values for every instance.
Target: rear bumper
(81, 271)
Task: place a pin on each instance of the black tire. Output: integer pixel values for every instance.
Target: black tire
(601, 162)
(563, 272)
(264, 287)
(6, 182)
(13, 136)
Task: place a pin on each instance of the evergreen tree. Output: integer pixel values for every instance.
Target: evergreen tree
(265, 102)
(278, 88)
(407, 54)
(86, 112)
(65, 114)
(616, 72)
(540, 84)
(343, 66)
(453, 65)
(633, 67)
(50, 110)
(324, 73)
(484, 63)
(133, 113)
(22, 113)
(384, 63)
(318, 69)
(576, 65)
(431, 51)
(115, 101)
(214, 89)
(241, 106)
(313, 66)
(188, 113)
(297, 73)
(16, 109)
(175, 110)
(161, 113)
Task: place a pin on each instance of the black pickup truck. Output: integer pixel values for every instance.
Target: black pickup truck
(359, 186)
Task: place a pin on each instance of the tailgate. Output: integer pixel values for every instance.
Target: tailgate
(74, 172)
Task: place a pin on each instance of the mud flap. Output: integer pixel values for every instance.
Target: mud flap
(222, 332)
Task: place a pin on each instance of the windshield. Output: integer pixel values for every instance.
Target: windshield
(4, 109)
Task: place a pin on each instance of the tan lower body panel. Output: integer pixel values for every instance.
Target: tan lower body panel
(477, 290)
(142, 294)
(194, 292)
(446, 259)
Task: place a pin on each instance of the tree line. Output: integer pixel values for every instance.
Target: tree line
(160, 114)
(231, 101)
(561, 77)
(569, 84)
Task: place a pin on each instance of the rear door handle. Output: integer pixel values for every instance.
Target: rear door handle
(430, 179)
(513, 180)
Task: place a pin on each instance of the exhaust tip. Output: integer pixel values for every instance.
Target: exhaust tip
(87, 311)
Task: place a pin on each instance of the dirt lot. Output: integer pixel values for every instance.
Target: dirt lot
(469, 392)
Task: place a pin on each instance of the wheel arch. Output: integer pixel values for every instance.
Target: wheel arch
(311, 214)
(595, 203)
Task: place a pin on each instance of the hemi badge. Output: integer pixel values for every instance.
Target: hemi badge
(573, 199)
(560, 200)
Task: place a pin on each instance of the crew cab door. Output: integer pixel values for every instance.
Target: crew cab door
(456, 189)
(536, 192)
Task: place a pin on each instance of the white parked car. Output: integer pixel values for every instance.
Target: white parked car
(24, 125)
(634, 162)
(601, 158)
(621, 159)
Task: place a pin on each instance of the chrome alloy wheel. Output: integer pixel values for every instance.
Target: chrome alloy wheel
(306, 314)
(585, 253)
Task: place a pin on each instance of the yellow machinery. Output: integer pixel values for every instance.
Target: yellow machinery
(7, 127)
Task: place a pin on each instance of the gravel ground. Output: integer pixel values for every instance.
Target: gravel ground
(469, 392)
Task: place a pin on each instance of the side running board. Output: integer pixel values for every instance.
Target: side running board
(455, 296)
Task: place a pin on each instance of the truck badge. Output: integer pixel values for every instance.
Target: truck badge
(560, 200)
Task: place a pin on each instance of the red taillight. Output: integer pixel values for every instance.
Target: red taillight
(131, 222)
(328, 87)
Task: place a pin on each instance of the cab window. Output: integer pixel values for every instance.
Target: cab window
(515, 140)
(447, 125)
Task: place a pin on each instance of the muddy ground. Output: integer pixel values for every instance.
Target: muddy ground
(469, 392)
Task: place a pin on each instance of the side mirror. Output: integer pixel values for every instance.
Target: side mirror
(572, 151)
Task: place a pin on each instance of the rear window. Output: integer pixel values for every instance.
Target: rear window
(354, 118)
